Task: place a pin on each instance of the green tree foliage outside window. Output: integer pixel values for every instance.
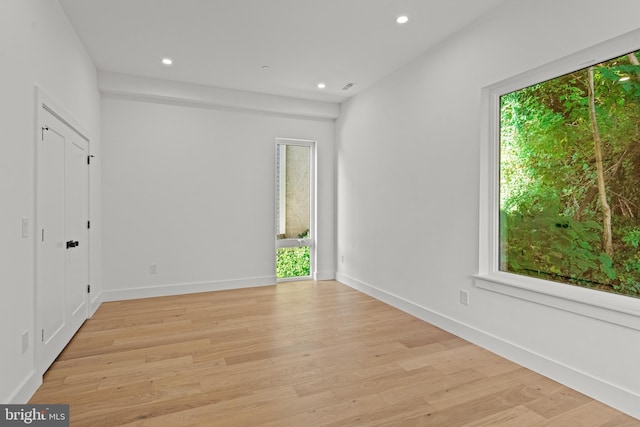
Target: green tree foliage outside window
(294, 262)
(570, 178)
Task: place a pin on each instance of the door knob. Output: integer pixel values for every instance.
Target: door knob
(72, 244)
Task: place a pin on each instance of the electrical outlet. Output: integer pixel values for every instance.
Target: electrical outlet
(464, 297)
(153, 269)
(25, 342)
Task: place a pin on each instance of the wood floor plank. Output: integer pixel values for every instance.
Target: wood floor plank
(426, 384)
(557, 403)
(516, 416)
(392, 415)
(296, 354)
(341, 413)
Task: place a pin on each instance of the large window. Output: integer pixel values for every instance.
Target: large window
(570, 177)
(560, 184)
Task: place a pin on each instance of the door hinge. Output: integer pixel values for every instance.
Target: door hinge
(89, 158)
(88, 224)
(88, 289)
(43, 335)
(43, 129)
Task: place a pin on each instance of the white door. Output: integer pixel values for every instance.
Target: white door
(76, 229)
(63, 236)
(295, 209)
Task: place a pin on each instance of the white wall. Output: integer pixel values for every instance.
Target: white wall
(407, 180)
(37, 46)
(189, 185)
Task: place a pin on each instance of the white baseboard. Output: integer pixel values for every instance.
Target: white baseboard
(324, 275)
(26, 389)
(185, 288)
(607, 393)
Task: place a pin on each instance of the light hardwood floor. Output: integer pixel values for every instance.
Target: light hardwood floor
(296, 354)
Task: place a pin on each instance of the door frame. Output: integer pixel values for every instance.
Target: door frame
(45, 102)
(312, 240)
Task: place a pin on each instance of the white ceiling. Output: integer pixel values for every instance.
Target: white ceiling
(226, 43)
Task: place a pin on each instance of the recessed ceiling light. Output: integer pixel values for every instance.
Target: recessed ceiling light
(167, 61)
(402, 19)
(321, 85)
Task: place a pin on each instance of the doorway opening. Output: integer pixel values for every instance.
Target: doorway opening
(295, 209)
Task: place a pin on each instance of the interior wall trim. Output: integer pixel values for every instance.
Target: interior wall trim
(324, 275)
(185, 288)
(26, 389)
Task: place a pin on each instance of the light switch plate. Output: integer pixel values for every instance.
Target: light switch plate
(25, 342)
(25, 227)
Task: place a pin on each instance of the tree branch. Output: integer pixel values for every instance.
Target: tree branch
(597, 148)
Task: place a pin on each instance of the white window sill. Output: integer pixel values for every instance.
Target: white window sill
(612, 308)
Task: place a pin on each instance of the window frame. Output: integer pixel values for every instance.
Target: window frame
(614, 308)
(311, 240)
